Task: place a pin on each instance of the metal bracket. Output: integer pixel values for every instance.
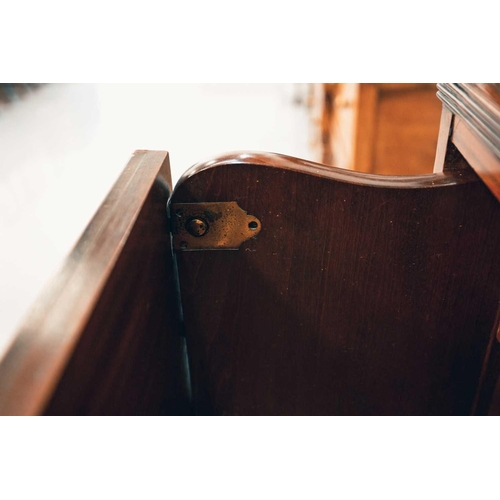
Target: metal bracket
(211, 226)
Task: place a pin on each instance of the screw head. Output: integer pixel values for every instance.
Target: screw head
(196, 227)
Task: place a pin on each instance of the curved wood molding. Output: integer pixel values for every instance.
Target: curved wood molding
(283, 162)
(474, 128)
(478, 104)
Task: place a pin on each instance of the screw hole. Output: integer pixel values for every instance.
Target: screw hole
(183, 244)
(253, 225)
(178, 212)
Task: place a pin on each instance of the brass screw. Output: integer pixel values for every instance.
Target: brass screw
(196, 227)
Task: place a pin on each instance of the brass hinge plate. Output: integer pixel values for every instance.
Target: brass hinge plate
(211, 226)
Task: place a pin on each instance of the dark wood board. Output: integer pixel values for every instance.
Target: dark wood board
(362, 295)
(103, 338)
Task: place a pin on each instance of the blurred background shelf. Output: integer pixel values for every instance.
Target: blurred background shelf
(382, 128)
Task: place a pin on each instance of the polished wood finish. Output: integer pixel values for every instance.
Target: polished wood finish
(478, 104)
(475, 129)
(104, 336)
(483, 159)
(363, 294)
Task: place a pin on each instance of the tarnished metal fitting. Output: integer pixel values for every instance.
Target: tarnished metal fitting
(211, 226)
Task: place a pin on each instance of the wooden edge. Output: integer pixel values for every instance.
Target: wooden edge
(487, 398)
(479, 155)
(366, 117)
(34, 361)
(278, 161)
(478, 105)
(443, 137)
(494, 409)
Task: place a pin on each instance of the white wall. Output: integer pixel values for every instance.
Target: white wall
(63, 147)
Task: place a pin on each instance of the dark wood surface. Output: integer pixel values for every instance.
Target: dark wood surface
(103, 338)
(480, 156)
(361, 295)
(472, 129)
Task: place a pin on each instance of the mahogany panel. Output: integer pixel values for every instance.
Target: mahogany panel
(103, 338)
(362, 294)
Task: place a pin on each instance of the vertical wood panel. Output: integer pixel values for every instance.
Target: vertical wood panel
(361, 294)
(103, 338)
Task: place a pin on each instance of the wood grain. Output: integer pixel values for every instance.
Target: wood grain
(103, 336)
(362, 295)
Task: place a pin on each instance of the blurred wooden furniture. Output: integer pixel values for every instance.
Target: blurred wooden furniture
(360, 294)
(383, 128)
